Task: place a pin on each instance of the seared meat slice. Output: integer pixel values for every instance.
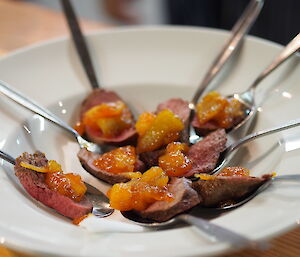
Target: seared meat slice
(204, 129)
(184, 199)
(34, 184)
(177, 106)
(225, 188)
(205, 153)
(87, 160)
(150, 159)
(100, 96)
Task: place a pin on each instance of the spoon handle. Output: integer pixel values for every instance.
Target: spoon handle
(262, 133)
(238, 32)
(34, 107)
(286, 53)
(80, 43)
(291, 177)
(222, 234)
(7, 157)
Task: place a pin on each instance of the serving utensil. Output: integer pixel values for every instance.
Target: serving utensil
(260, 189)
(32, 106)
(99, 200)
(230, 149)
(238, 32)
(215, 231)
(80, 43)
(247, 98)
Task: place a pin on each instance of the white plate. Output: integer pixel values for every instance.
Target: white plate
(146, 67)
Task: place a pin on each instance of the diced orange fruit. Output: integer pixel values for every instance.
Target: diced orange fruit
(210, 106)
(78, 220)
(155, 176)
(165, 129)
(228, 171)
(234, 171)
(204, 176)
(177, 146)
(132, 175)
(111, 127)
(144, 122)
(119, 160)
(174, 162)
(120, 196)
(110, 118)
(52, 166)
(225, 118)
(139, 193)
(216, 108)
(69, 185)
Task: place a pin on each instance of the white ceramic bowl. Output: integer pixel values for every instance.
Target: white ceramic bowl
(145, 66)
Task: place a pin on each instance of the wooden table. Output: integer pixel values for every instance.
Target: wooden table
(22, 24)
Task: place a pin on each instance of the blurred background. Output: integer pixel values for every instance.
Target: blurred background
(279, 20)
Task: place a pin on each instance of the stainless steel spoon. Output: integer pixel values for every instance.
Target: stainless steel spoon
(24, 101)
(238, 32)
(225, 156)
(99, 200)
(263, 187)
(247, 98)
(215, 231)
(80, 44)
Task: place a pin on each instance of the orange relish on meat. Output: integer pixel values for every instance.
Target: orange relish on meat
(158, 130)
(139, 193)
(219, 110)
(110, 119)
(174, 162)
(70, 185)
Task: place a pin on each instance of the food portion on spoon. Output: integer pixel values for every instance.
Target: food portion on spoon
(65, 193)
(236, 111)
(215, 111)
(116, 125)
(227, 187)
(176, 159)
(45, 181)
(105, 118)
(157, 197)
